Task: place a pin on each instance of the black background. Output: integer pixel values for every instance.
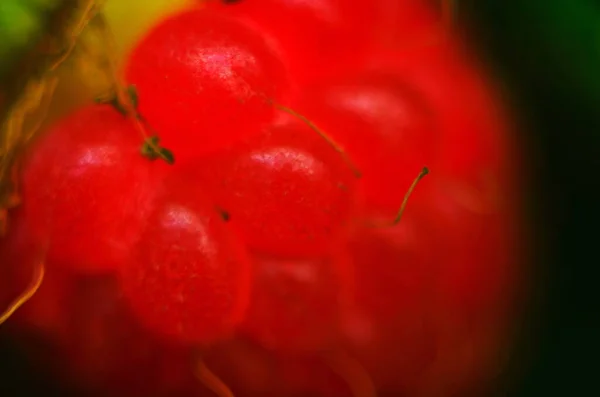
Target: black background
(559, 355)
(559, 350)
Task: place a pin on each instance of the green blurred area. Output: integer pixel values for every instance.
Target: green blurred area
(547, 55)
(22, 22)
(555, 43)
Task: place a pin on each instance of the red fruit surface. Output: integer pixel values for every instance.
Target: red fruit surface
(472, 125)
(434, 296)
(288, 190)
(189, 277)
(315, 37)
(386, 128)
(296, 305)
(431, 306)
(86, 187)
(477, 284)
(387, 324)
(408, 25)
(205, 81)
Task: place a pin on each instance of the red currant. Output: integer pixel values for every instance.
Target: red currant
(316, 37)
(86, 187)
(475, 277)
(385, 127)
(408, 25)
(387, 325)
(204, 81)
(296, 304)
(288, 190)
(189, 278)
(472, 126)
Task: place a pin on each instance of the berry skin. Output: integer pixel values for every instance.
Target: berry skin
(288, 190)
(189, 278)
(386, 325)
(205, 81)
(476, 276)
(472, 127)
(386, 128)
(428, 310)
(296, 304)
(433, 295)
(315, 37)
(408, 25)
(86, 187)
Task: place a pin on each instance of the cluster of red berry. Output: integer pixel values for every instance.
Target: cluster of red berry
(261, 248)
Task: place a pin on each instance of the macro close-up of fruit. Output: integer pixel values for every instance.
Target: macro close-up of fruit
(258, 198)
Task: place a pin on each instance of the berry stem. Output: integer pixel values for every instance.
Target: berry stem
(125, 97)
(36, 282)
(152, 150)
(323, 135)
(37, 96)
(28, 99)
(90, 10)
(400, 212)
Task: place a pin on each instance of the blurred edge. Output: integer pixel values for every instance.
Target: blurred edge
(547, 53)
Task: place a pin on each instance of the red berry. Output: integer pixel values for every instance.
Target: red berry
(388, 324)
(296, 304)
(315, 37)
(86, 187)
(205, 81)
(288, 190)
(189, 278)
(472, 127)
(475, 289)
(407, 25)
(477, 245)
(391, 264)
(385, 127)
(436, 285)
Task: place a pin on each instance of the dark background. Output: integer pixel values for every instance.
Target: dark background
(547, 55)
